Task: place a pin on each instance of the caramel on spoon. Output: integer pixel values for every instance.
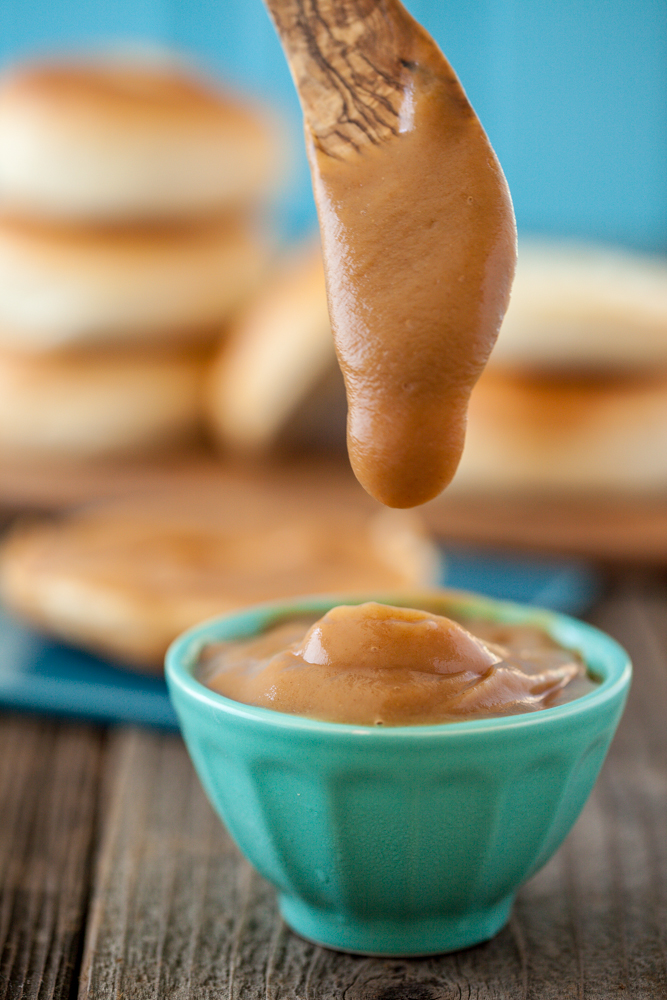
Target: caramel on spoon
(418, 233)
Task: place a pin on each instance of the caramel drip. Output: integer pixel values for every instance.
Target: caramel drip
(417, 231)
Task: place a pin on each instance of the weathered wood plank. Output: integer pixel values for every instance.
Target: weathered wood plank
(48, 779)
(605, 893)
(177, 913)
(170, 915)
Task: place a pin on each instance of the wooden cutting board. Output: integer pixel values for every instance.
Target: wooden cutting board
(626, 530)
(611, 530)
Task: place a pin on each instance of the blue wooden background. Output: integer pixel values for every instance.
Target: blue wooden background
(573, 93)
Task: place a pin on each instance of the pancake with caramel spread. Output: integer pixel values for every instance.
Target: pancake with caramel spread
(418, 235)
(378, 665)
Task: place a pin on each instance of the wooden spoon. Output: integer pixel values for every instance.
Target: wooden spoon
(417, 230)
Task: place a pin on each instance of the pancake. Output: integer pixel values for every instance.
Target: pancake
(84, 406)
(66, 286)
(124, 578)
(275, 380)
(576, 307)
(566, 435)
(118, 140)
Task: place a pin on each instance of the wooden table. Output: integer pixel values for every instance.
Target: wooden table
(116, 880)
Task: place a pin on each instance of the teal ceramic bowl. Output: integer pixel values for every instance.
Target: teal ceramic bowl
(398, 841)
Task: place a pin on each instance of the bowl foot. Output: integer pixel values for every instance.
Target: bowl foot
(430, 935)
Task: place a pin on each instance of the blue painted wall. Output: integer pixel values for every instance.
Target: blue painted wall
(572, 92)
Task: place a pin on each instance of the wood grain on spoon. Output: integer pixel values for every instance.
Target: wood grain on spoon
(417, 231)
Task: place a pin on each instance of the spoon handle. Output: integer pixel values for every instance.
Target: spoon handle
(350, 60)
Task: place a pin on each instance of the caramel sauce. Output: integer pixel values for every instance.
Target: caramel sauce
(418, 240)
(375, 664)
(418, 234)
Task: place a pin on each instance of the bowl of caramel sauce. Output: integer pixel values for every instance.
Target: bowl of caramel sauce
(397, 765)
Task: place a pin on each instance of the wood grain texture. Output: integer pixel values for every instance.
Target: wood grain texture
(604, 896)
(177, 913)
(348, 60)
(48, 777)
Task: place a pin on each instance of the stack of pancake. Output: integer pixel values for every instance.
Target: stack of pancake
(574, 399)
(129, 197)
(129, 251)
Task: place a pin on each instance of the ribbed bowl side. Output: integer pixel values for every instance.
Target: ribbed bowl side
(404, 827)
